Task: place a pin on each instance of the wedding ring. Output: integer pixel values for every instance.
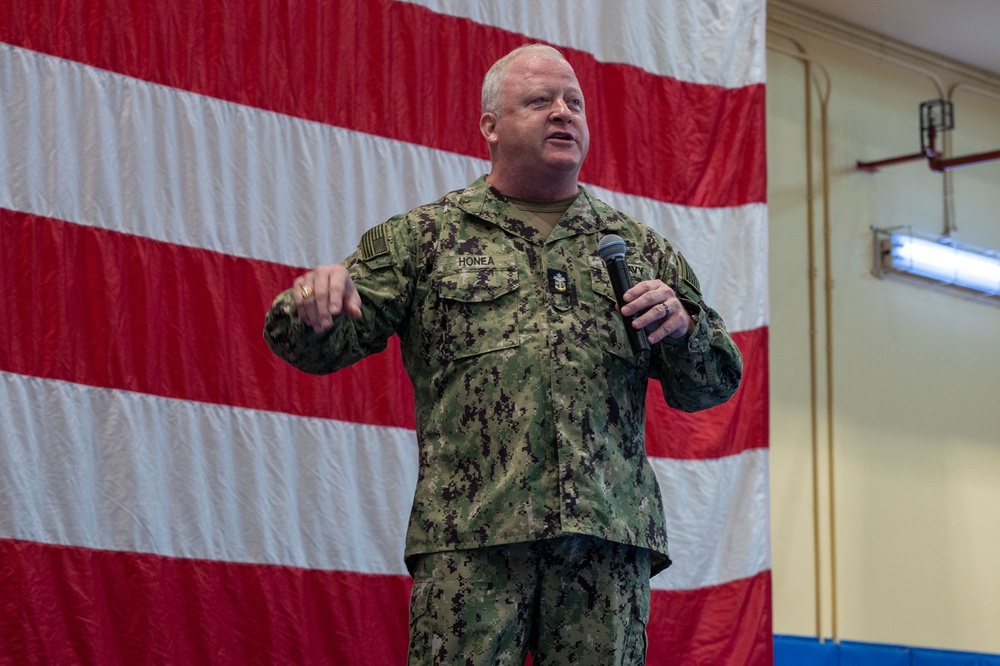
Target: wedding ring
(307, 293)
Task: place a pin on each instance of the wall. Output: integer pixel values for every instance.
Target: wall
(908, 541)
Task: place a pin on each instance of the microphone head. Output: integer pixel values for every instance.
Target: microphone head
(611, 247)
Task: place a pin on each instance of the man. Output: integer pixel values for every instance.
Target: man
(537, 519)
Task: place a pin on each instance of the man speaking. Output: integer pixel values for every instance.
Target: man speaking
(537, 520)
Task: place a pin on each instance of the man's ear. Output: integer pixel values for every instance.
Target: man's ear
(488, 126)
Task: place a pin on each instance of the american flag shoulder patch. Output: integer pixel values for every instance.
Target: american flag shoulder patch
(373, 242)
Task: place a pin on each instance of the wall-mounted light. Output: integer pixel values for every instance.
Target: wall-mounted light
(937, 262)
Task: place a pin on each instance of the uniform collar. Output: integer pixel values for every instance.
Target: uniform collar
(586, 215)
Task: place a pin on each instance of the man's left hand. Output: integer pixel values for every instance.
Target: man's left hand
(662, 316)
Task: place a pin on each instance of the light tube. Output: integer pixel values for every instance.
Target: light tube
(947, 262)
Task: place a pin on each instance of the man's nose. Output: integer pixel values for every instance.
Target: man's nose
(561, 110)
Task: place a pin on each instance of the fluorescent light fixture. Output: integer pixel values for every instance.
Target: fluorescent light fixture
(937, 262)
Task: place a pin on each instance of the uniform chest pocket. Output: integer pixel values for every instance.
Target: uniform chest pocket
(478, 304)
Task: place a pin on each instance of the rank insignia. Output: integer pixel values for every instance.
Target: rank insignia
(558, 282)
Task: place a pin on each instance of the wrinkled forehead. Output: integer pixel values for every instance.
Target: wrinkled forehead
(533, 68)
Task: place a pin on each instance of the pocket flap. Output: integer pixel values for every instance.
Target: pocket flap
(478, 279)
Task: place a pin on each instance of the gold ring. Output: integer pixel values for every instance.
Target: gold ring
(307, 292)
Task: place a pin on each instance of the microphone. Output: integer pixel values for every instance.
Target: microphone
(611, 249)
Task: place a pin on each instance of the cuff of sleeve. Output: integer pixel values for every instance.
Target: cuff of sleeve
(695, 341)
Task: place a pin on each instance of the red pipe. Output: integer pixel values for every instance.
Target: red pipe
(938, 164)
(934, 160)
(933, 157)
(872, 167)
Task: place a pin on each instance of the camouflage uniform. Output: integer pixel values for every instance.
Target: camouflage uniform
(570, 600)
(530, 406)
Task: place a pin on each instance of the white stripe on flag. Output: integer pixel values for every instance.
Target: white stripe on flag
(131, 472)
(689, 41)
(717, 519)
(100, 149)
(106, 150)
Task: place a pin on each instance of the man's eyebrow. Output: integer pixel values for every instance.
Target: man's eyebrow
(550, 90)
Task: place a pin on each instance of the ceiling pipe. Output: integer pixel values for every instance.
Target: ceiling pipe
(939, 164)
(930, 152)
(872, 167)
(934, 160)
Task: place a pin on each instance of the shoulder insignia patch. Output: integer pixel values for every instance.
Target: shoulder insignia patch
(373, 242)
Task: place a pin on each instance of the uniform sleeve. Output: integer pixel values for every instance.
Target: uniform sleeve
(702, 369)
(382, 271)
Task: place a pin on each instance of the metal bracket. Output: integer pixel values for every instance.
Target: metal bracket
(936, 116)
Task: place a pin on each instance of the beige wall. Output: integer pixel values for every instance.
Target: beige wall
(915, 373)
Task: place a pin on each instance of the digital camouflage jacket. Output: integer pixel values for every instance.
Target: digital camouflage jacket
(530, 406)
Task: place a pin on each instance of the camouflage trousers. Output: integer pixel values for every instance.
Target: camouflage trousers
(570, 600)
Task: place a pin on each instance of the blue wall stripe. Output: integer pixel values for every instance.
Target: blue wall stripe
(803, 651)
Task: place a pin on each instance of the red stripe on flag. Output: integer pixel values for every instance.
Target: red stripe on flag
(401, 71)
(68, 605)
(725, 624)
(107, 309)
(149, 609)
(737, 425)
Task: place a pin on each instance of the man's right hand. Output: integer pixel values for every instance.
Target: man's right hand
(323, 294)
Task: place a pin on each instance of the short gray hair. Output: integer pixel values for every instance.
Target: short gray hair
(493, 81)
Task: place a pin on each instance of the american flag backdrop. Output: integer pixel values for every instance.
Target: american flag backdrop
(170, 492)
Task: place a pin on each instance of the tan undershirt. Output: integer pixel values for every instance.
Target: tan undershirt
(542, 215)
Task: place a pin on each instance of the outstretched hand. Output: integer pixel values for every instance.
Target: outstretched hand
(323, 294)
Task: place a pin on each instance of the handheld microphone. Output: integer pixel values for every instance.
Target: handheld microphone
(611, 249)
